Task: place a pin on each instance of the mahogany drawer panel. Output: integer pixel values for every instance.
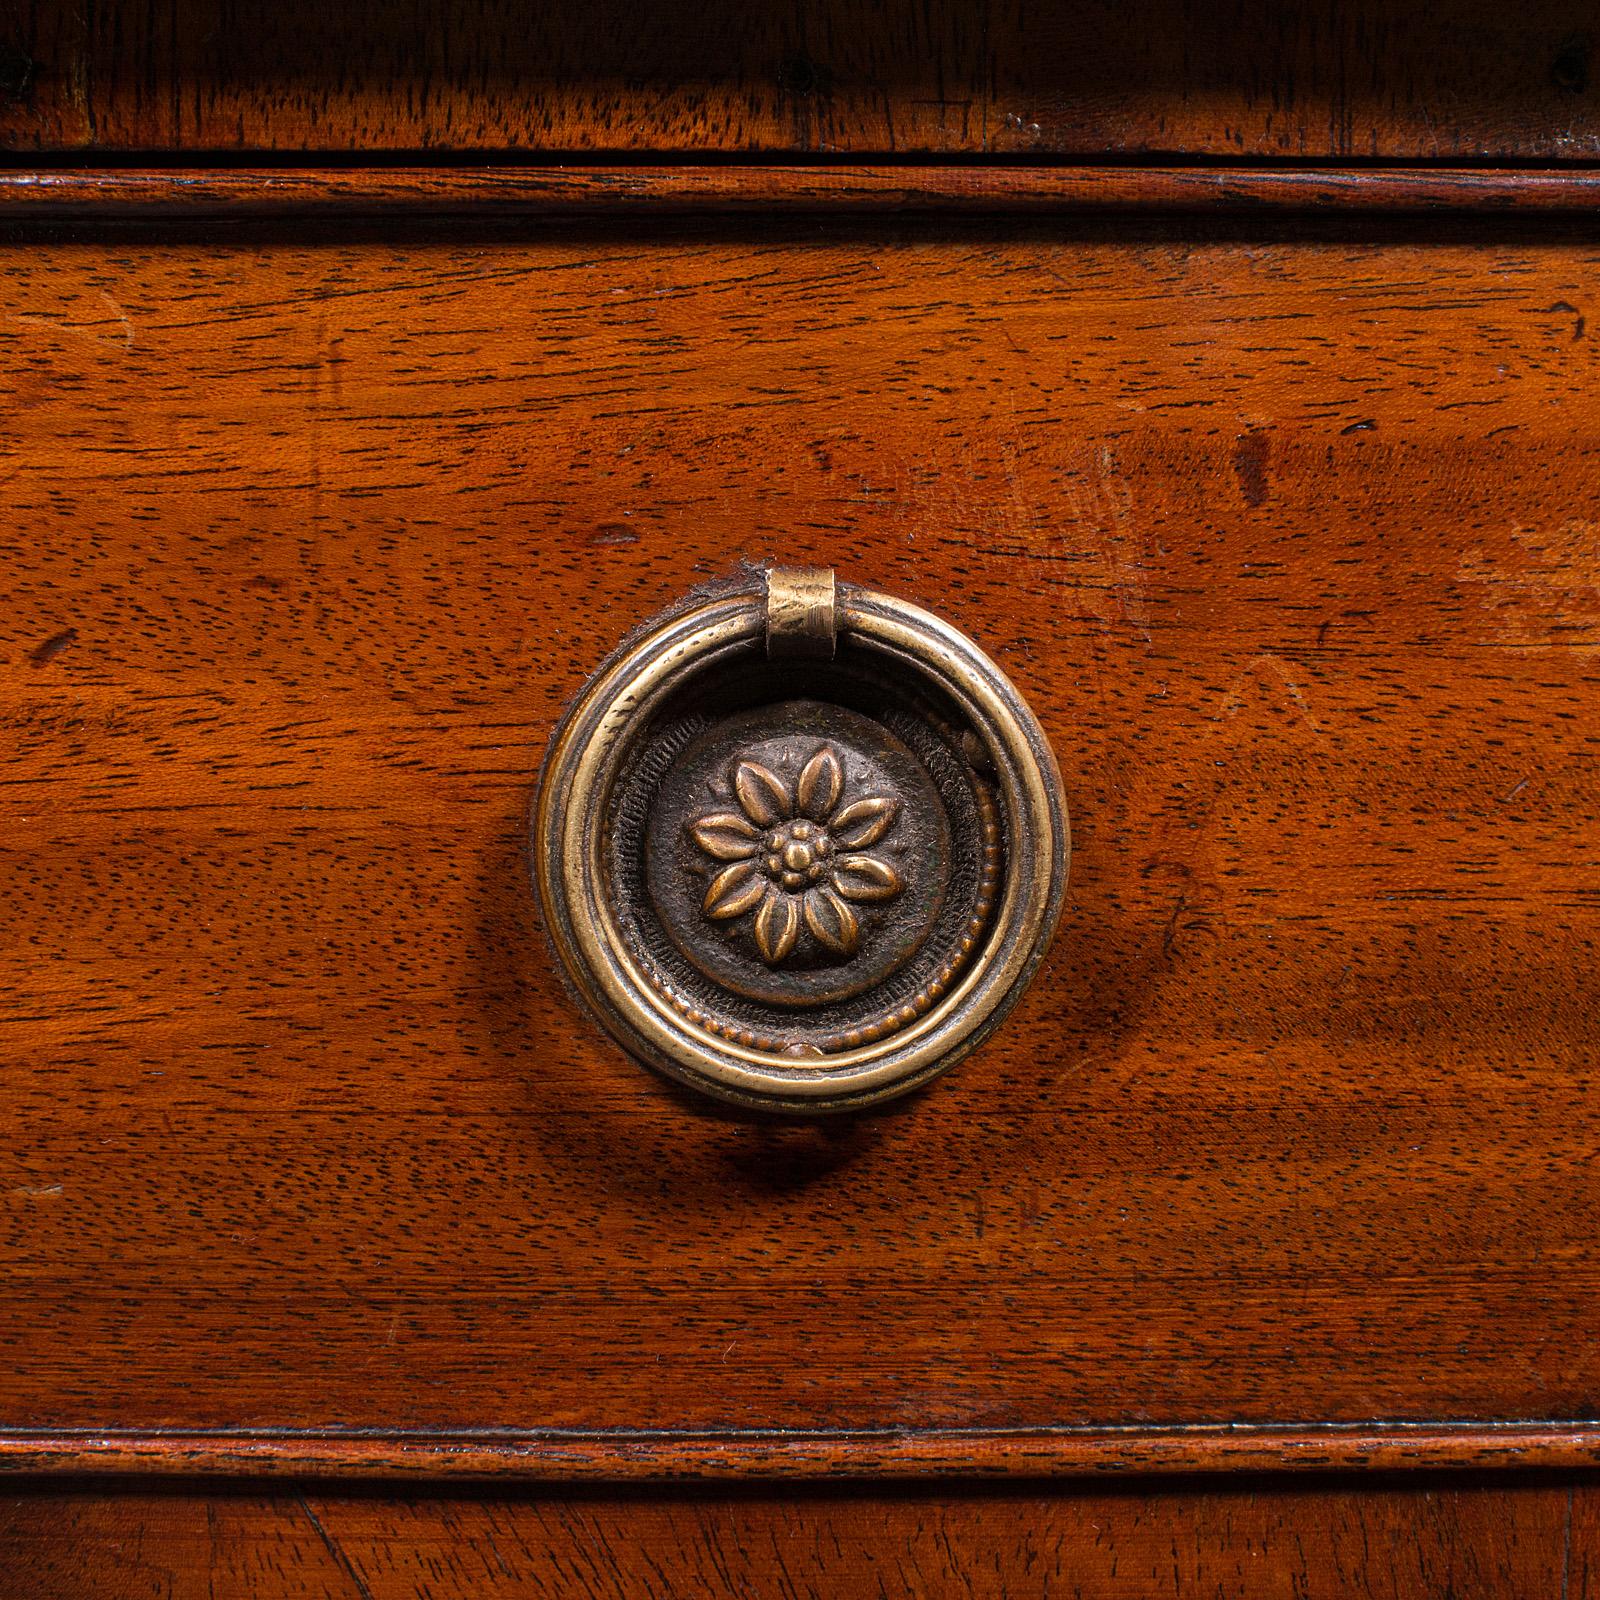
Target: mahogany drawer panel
(1469, 1540)
(1460, 79)
(1291, 543)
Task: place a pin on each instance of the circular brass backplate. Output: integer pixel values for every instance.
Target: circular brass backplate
(800, 846)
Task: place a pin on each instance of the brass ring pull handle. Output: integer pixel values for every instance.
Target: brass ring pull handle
(800, 845)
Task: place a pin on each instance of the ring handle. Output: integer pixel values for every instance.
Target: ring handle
(798, 844)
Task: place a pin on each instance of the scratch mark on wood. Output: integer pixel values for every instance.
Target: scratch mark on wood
(334, 1550)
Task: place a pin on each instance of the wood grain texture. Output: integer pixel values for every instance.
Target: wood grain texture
(1479, 1541)
(351, 196)
(1459, 79)
(624, 1455)
(1292, 546)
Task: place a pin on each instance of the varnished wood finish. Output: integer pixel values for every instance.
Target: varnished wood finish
(1291, 545)
(351, 196)
(1458, 79)
(1248, 1541)
(634, 1456)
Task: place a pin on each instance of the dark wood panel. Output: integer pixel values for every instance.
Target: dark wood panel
(1345, 78)
(1255, 1542)
(1291, 544)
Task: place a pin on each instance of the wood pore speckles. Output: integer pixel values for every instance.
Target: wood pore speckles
(1236, 78)
(1438, 1539)
(1292, 546)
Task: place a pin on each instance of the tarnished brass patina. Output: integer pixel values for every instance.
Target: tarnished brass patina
(798, 844)
(802, 612)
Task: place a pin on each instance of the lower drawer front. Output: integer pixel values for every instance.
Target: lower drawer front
(1292, 544)
(1429, 1540)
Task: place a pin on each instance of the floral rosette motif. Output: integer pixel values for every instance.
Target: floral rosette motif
(798, 857)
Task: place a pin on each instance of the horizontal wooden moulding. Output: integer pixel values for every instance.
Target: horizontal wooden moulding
(486, 192)
(621, 1456)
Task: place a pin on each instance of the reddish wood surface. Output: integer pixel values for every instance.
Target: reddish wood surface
(636, 1456)
(1482, 1541)
(353, 195)
(1458, 79)
(1291, 544)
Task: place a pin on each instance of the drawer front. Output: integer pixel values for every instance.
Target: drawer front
(1461, 79)
(1287, 534)
(1445, 1538)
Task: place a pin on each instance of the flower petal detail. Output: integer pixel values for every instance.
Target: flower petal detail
(821, 779)
(831, 921)
(864, 822)
(733, 890)
(726, 836)
(777, 926)
(866, 878)
(761, 793)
